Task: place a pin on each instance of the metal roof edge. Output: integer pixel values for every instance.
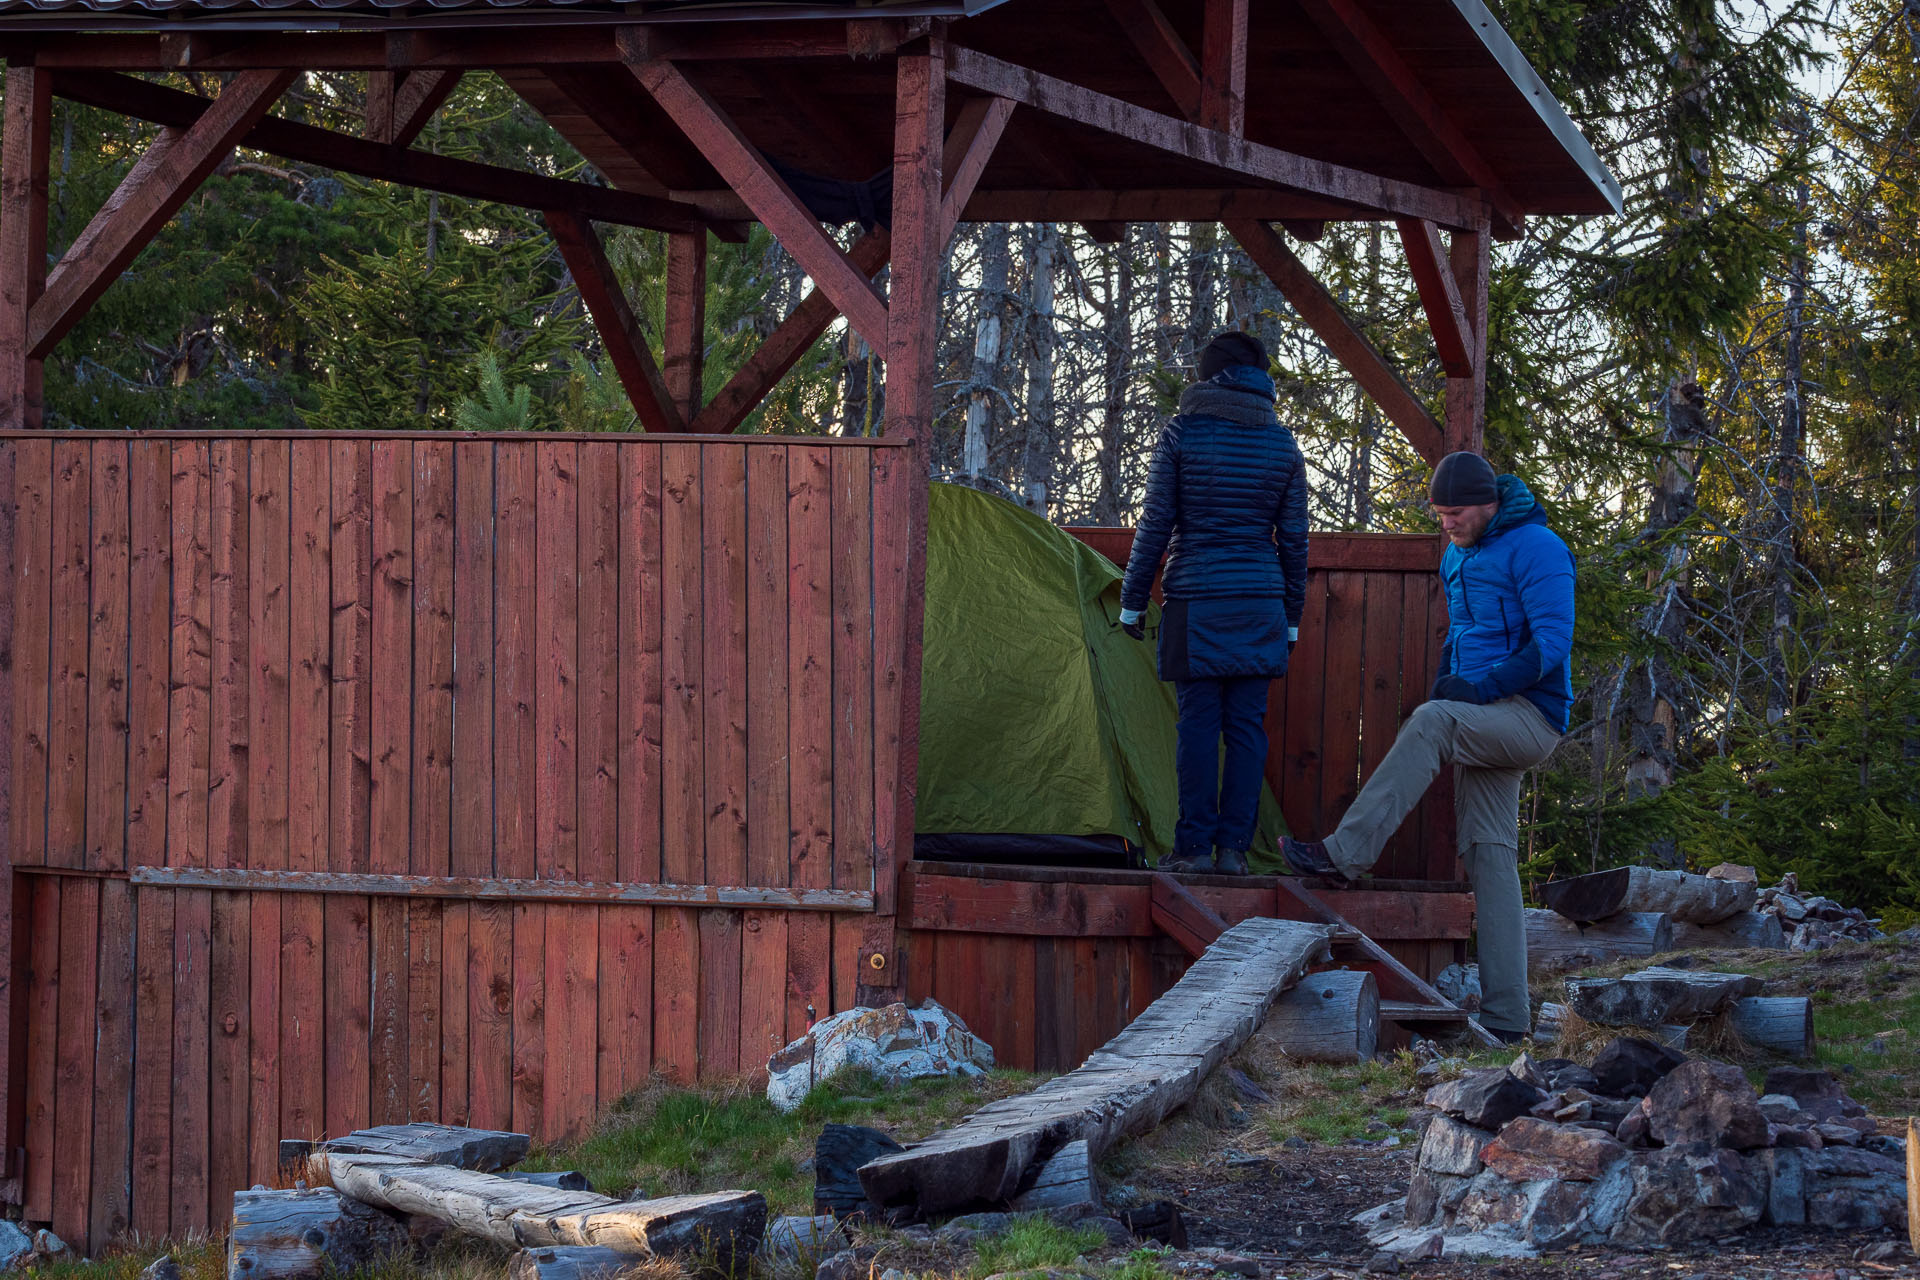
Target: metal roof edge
(1494, 38)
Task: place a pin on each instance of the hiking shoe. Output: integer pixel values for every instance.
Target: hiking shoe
(1190, 863)
(1230, 862)
(1309, 858)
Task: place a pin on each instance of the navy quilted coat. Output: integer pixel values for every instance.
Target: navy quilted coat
(1226, 506)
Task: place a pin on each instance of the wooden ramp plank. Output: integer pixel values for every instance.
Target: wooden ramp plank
(1127, 1086)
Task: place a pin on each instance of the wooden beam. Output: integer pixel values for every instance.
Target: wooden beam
(364, 884)
(23, 249)
(1173, 64)
(1349, 346)
(1044, 143)
(767, 194)
(1439, 296)
(1183, 917)
(607, 99)
(164, 177)
(684, 343)
(968, 148)
(419, 96)
(620, 330)
(377, 120)
(1206, 146)
(1471, 258)
(307, 144)
(805, 324)
(1420, 116)
(1210, 204)
(1223, 67)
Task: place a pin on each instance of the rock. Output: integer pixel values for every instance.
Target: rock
(987, 1224)
(1524, 1068)
(1113, 1229)
(1528, 1149)
(1815, 1089)
(1547, 1213)
(1231, 1263)
(894, 1042)
(1629, 1066)
(1245, 1086)
(1384, 1263)
(844, 1265)
(161, 1268)
(1834, 1134)
(1781, 1108)
(1460, 983)
(1572, 1076)
(1485, 1099)
(1786, 1186)
(1734, 872)
(1296, 1143)
(1431, 1196)
(48, 1247)
(1634, 1129)
(956, 1238)
(797, 1238)
(838, 1153)
(1708, 1102)
(1885, 1144)
(15, 1245)
(1788, 1135)
(1789, 908)
(1690, 1192)
(1450, 1146)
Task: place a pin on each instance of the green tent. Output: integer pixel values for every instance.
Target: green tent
(1038, 715)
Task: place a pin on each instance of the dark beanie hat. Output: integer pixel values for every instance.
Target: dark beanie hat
(1229, 349)
(1463, 480)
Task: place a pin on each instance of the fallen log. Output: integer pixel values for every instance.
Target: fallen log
(570, 1262)
(727, 1223)
(1128, 1085)
(1747, 931)
(1330, 1017)
(1679, 894)
(1551, 1025)
(485, 1150)
(561, 1180)
(304, 1235)
(1783, 1024)
(1656, 997)
(1555, 942)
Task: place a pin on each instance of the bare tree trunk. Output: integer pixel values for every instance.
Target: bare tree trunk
(1651, 686)
(1163, 328)
(1203, 243)
(984, 384)
(860, 405)
(1118, 336)
(1787, 462)
(1037, 451)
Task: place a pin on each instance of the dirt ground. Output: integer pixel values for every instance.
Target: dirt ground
(1291, 1212)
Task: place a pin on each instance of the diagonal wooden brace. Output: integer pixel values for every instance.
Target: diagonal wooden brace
(1349, 346)
(620, 329)
(767, 194)
(398, 107)
(164, 178)
(1439, 296)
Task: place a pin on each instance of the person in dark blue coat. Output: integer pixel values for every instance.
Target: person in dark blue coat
(1226, 506)
(1498, 709)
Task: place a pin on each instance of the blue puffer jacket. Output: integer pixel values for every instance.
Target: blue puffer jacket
(1510, 608)
(1226, 501)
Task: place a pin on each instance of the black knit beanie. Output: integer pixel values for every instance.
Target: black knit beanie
(1229, 349)
(1463, 480)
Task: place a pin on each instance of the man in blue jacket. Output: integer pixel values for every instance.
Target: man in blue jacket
(1498, 709)
(1227, 506)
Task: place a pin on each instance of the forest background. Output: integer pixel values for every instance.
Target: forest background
(1716, 395)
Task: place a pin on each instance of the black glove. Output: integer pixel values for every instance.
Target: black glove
(1452, 688)
(1137, 630)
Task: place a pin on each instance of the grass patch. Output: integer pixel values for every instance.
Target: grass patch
(1148, 1263)
(1033, 1242)
(667, 1141)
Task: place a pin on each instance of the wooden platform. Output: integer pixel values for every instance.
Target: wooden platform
(1047, 963)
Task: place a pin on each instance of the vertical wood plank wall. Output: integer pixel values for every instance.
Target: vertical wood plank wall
(1369, 647)
(568, 658)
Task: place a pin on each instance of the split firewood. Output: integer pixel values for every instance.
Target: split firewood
(304, 1235)
(1065, 1183)
(1555, 942)
(1330, 1017)
(1749, 930)
(571, 1262)
(1657, 997)
(485, 1150)
(1679, 894)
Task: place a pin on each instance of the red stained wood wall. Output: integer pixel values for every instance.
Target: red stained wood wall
(1369, 650)
(566, 659)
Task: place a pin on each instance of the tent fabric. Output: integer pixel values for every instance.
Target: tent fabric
(1038, 715)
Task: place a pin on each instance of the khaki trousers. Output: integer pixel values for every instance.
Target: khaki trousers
(1491, 747)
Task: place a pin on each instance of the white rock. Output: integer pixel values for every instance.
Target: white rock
(15, 1245)
(894, 1042)
(803, 1238)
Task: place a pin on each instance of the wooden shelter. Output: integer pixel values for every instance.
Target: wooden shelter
(350, 779)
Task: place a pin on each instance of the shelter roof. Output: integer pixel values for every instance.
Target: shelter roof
(1314, 90)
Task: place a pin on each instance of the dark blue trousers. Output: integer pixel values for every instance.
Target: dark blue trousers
(1219, 811)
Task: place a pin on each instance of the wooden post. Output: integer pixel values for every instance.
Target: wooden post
(1467, 397)
(23, 239)
(1223, 67)
(684, 344)
(913, 330)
